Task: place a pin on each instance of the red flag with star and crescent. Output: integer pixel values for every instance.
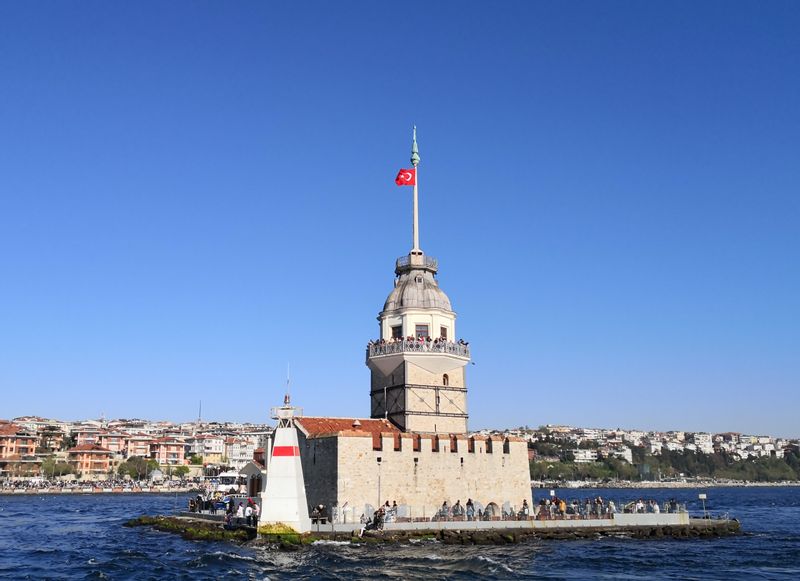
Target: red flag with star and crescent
(406, 177)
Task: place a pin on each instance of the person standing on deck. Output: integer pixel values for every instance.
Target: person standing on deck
(239, 514)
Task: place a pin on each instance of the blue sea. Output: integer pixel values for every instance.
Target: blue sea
(82, 537)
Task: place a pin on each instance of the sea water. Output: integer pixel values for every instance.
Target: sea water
(82, 537)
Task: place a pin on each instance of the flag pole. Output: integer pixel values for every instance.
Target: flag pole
(415, 162)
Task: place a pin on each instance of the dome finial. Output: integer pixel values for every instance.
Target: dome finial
(414, 150)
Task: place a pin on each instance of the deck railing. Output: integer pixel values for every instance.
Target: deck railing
(492, 512)
(411, 346)
(427, 262)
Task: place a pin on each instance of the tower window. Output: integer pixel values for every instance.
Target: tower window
(443, 333)
(397, 332)
(418, 280)
(421, 331)
(445, 380)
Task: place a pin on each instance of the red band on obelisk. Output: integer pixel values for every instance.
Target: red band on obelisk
(286, 451)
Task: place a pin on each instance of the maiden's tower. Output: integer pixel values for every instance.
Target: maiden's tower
(414, 448)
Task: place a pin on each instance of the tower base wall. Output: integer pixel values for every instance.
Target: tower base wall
(419, 472)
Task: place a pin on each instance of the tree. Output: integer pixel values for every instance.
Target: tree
(51, 467)
(196, 460)
(137, 467)
(181, 471)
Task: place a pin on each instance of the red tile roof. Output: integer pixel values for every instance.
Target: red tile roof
(316, 427)
(11, 429)
(89, 448)
(7, 428)
(167, 441)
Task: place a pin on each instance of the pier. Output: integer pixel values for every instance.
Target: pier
(192, 526)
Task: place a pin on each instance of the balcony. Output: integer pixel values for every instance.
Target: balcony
(423, 262)
(410, 346)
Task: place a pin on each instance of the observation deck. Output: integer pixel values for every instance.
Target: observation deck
(458, 349)
(416, 261)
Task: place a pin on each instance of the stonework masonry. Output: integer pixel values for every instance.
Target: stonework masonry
(357, 471)
(418, 400)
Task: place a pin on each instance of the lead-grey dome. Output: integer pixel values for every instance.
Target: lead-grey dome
(417, 288)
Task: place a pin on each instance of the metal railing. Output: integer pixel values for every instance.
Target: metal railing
(427, 262)
(411, 346)
(494, 512)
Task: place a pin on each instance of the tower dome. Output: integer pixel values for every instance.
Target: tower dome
(416, 288)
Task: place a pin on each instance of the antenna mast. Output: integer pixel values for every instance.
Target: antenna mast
(286, 399)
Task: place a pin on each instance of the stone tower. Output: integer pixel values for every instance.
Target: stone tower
(418, 363)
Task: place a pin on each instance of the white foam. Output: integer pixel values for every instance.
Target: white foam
(231, 555)
(326, 542)
(496, 563)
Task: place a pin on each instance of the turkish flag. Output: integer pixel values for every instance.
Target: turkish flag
(406, 177)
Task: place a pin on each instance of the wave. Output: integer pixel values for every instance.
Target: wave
(332, 543)
(227, 555)
(495, 563)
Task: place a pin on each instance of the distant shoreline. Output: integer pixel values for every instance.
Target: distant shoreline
(536, 485)
(632, 484)
(94, 490)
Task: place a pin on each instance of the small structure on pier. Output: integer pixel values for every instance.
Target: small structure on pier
(283, 501)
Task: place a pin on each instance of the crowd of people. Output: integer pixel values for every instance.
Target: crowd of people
(243, 513)
(459, 511)
(598, 507)
(59, 484)
(546, 509)
(422, 343)
(385, 513)
(555, 507)
(471, 512)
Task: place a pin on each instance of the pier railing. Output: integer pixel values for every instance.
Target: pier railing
(580, 512)
(412, 346)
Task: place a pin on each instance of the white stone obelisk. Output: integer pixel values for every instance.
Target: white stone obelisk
(284, 498)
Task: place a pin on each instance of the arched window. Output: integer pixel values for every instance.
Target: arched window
(445, 379)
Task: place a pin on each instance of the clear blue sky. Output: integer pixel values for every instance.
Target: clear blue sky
(194, 193)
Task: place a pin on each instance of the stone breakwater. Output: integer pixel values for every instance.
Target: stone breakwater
(697, 528)
(285, 539)
(194, 529)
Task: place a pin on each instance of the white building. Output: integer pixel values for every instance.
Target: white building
(703, 442)
(622, 452)
(585, 456)
(239, 452)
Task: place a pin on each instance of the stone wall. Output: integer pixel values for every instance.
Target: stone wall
(422, 479)
(319, 458)
(403, 402)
